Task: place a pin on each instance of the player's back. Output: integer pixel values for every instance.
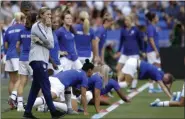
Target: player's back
(12, 36)
(72, 78)
(95, 81)
(83, 41)
(150, 71)
(25, 39)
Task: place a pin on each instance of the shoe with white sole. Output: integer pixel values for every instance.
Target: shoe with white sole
(72, 112)
(154, 104)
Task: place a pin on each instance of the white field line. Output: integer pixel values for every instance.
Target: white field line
(117, 104)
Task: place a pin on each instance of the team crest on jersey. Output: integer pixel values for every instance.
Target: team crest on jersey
(44, 66)
(132, 32)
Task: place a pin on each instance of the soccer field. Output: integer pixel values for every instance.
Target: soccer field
(138, 108)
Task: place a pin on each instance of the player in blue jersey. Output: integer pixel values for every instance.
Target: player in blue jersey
(66, 40)
(131, 45)
(12, 57)
(101, 35)
(152, 50)
(61, 83)
(95, 85)
(23, 47)
(55, 66)
(145, 70)
(85, 39)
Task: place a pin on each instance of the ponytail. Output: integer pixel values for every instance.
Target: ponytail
(87, 65)
(86, 26)
(84, 16)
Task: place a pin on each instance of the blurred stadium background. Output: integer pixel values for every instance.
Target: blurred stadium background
(171, 28)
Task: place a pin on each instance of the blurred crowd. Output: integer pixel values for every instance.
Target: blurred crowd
(171, 12)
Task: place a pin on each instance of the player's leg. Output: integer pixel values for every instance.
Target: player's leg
(23, 75)
(120, 65)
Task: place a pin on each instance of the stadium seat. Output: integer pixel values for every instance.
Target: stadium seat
(164, 38)
(141, 16)
(142, 22)
(162, 24)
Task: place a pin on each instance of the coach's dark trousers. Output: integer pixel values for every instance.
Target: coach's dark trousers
(40, 81)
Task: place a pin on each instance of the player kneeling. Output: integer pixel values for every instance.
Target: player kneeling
(145, 70)
(177, 103)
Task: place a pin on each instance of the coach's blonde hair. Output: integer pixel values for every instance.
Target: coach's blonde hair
(19, 17)
(84, 16)
(42, 10)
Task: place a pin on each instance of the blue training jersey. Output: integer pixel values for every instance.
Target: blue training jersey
(83, 41)
(152, 33)
(54, 52)
(25, 41)
(101, 33)
(131, 41)
(67, 43)
(73, 78)
(95, 81)
(11, 37)
(150, 71)
(112, 84)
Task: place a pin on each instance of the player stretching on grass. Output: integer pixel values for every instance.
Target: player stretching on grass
(180, 103)
(145, 70)
(61, 82)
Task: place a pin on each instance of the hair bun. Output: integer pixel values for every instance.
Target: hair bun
(87, 61)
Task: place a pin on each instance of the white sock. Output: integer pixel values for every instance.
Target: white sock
(39, 101)
(20, 101)
(68, 98)
(123, 84)
(60, 106)
(163, 104)
(151, 86)
(14, 95)
(134, 83)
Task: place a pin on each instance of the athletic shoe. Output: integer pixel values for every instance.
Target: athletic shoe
(12, 103)
(72, 112)
(154, 104)
(20, 108)
(151, 91)
(57, 114)
(159, 90)
(80, 109)
(29, 116)
(110, 95)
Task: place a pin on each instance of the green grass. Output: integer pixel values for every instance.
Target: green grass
(138, 108)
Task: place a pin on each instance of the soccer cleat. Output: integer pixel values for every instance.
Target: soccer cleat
(72, 112)
(154, 104)
(29, 116)
(20, 108)
(151, 91)
(57, 114)
(80, 109)
(12, 103)
(159, 90)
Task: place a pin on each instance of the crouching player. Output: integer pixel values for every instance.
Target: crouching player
(178, 103)
(95, 85)
(145, 70)
(60, 84)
